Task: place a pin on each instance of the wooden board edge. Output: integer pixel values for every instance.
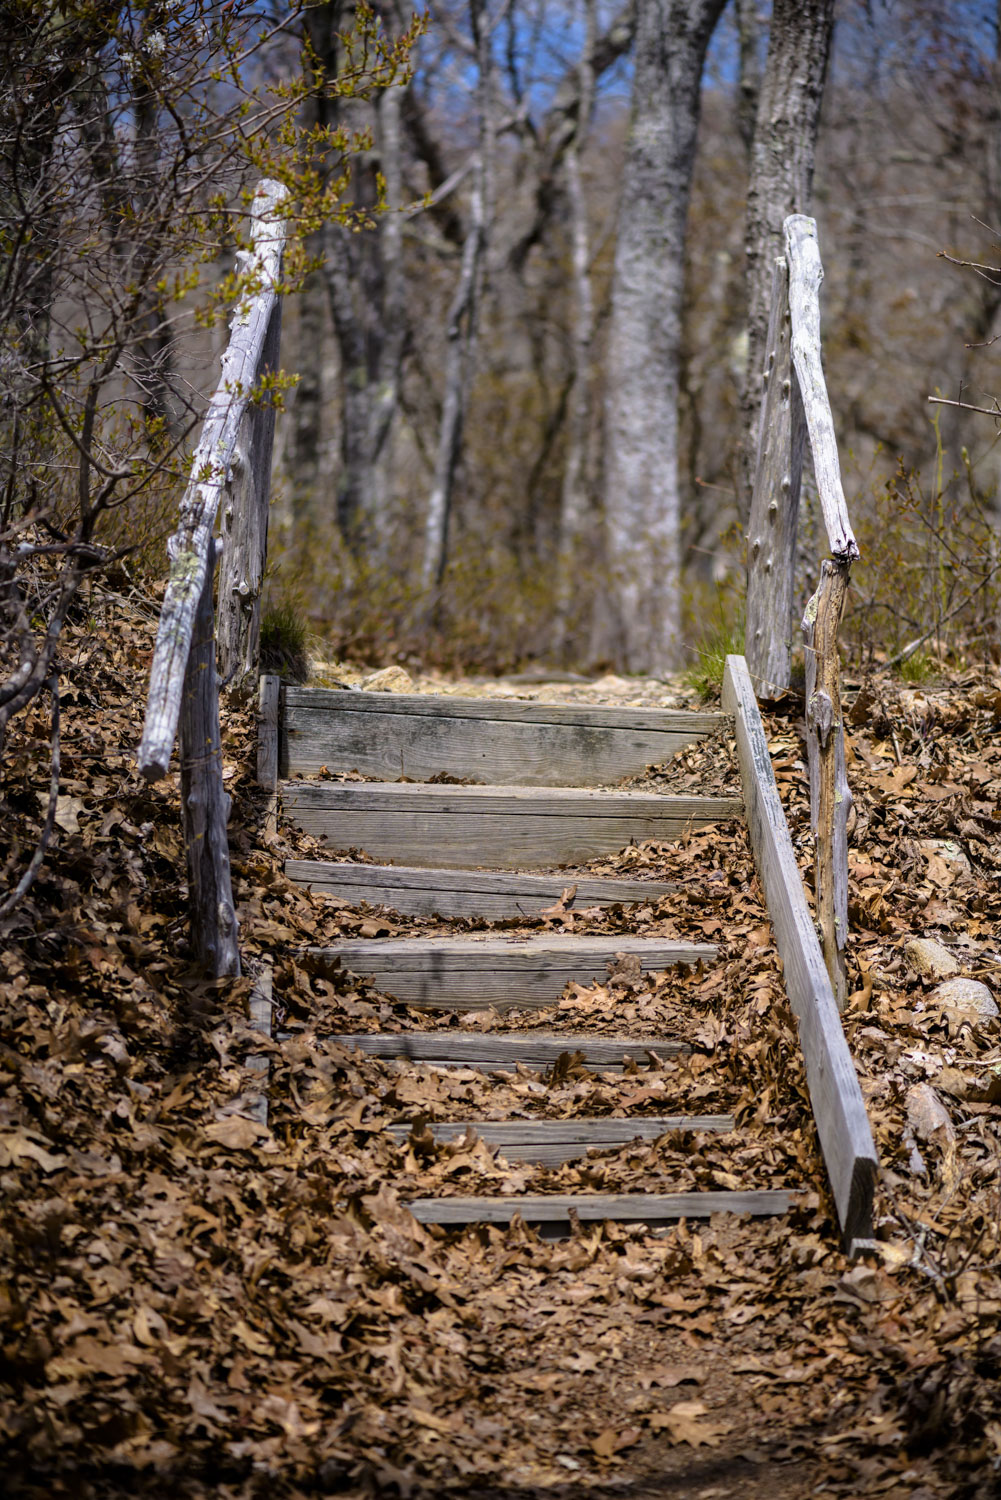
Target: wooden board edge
(595, 1208)
(528, 711)
(835, 1096)
(268, 714)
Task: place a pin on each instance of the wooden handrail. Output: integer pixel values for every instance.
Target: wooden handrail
(796, 404)
(184, 687)
(805, 275)
(210, 470)
(835, 1095)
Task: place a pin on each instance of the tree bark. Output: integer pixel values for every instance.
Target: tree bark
(642, 367)
(771, 535)
(575, 492)
(781, 176)
(364, 279)
(458, 357)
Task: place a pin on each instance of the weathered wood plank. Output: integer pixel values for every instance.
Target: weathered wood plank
(805, 275)
(461, 826)
(835, 1096)
(205, 802)
(244, 526)
(509, 1049)
(830, 796)
(552, 1142)
(555, 1208)
(469, 893)
(189, 548)
(267, 732)
(498, 742)
(771, 532)
(480, 973)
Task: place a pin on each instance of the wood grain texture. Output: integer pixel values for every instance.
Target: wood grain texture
(189, 547)
(480, 973)
(771, 533)
(392, 735)
(551, 1142)
(205, 802)
(555, 1208)
(805, 275)
(835, 1096)
(267, 732)
(830, 797)
(467, 893)
(510, 1049)
(244, 527)
(461, 826)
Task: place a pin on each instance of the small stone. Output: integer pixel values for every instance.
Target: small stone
(929, 957)
(966, 994)
(389, 680)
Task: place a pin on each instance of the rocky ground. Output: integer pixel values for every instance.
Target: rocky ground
(193, 1302)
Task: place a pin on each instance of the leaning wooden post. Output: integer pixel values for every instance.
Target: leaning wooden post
(209, 471)
(771, 534)
(205, 801)
(830, 798)
(183, 687)
(244, 520)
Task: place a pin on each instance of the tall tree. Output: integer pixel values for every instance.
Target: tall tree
(781, 173)
(641, 407)
(363, 274)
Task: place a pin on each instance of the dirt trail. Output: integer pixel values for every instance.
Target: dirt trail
(192, 1303)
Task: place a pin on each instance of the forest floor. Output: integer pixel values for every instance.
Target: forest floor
(193, 1303)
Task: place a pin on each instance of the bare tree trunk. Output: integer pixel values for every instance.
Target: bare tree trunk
(461, 319)
(574, 497)
(305, 445)
(749, 70)
(641, 410)
(363, 274)
(463, 314)
(781, 179)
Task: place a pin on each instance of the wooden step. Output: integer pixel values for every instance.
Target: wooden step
(444, 973)
(494, 1053)
(520, 743)
(462, 826)
(550, 1212)
(551, 1142)
(491, 894)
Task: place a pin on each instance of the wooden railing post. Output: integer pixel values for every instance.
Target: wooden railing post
(210, 469)
(244, 529)
(205, 801)
(771, 535)
(830, 799)
(183, 687)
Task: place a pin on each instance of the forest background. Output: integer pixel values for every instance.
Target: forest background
(471, 411)
(908, 166)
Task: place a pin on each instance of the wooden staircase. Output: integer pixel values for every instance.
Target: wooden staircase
(498, 799)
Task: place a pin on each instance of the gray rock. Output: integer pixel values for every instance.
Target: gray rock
(966, 994)
(929, 957)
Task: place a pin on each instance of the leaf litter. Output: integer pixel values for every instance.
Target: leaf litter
(192, 1302)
